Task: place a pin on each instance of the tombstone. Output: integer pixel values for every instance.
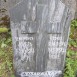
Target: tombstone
(40, 30)
(12, 3)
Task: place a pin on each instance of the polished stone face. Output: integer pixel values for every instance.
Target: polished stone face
(40, 30)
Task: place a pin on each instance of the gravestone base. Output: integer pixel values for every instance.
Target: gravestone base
(40, 74)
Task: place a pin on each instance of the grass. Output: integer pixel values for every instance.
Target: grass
(3, 30)
(6, 54)
(71, 58)
(6, 57)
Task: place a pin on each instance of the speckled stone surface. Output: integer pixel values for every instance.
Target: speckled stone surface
(40, 30)
(8, 4)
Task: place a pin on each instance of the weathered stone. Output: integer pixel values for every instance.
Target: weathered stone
(72, 5)
(11, 3)
(40, 30)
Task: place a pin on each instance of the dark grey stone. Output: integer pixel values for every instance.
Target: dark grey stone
(40, 30)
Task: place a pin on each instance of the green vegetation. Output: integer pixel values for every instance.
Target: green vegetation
(6, 57)
(3, 30)
(71, 60)
(6, 54)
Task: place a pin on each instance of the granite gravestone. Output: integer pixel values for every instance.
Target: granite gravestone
(40, 30)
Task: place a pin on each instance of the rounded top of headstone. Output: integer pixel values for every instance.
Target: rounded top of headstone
(29, 9)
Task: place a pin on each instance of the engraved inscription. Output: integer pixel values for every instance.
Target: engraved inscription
(26, 49)
(55, 46)
(41, 74)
